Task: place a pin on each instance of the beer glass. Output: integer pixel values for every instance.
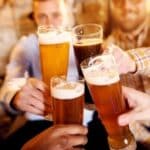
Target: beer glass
(87, 41)
(54, 46)
(102, 77)
(68, 100)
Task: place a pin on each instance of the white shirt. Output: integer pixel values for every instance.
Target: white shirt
(25, 58)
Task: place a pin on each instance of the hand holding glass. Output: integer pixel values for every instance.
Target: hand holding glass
(68, 100)
(102, 77)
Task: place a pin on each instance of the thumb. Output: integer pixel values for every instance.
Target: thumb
(134, 115)
(126, 118)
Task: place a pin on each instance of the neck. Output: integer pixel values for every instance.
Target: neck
(137, 30)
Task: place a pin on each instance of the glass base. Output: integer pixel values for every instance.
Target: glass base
(131, 146)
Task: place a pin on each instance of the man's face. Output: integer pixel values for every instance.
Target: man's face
(2, 2)
(128, 14)
(50, 12)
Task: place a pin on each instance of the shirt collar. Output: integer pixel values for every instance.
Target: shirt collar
(138, 36)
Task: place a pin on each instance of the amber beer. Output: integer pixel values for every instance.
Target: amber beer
(68, 100)
(54, 52)
(104, 84)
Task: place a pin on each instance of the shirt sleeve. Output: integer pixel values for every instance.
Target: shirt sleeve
(15, 74)
(9, 90)
(141, 56)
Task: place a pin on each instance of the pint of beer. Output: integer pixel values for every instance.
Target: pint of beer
(54, 52)
(87, 41)
(101, 74)
(68, 100)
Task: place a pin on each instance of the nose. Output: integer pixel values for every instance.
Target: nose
(48, 21)
(127, 4)
(52, 21)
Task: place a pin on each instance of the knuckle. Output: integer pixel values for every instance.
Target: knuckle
(85, 140)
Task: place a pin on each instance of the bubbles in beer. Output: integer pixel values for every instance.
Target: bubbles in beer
(66, 90)
(54, 36)
(101, 70)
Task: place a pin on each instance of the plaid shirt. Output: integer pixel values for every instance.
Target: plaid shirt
(141, 79)
(136, 39)
(142, 59)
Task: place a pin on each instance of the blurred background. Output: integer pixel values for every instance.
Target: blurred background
(16, 20)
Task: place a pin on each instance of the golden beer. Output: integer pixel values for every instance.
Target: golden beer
(104, 85)
(54, 52)
(68, 101)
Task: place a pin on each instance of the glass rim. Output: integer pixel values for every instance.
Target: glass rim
(88, 25)
(85, 63)
(48, 28)
(77, 87)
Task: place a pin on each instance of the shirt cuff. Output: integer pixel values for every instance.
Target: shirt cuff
(141, 60)
(9, 91)
(7, 101)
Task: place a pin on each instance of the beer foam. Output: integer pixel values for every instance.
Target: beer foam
(88, 42)
(66, 91)
(51, 37)
(101, 71)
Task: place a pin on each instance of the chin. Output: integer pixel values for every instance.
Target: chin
(128, 28)
(130, 24)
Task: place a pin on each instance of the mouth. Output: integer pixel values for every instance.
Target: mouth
(130, 16)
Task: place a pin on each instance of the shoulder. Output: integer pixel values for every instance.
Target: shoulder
(28, 40)
(26, 45)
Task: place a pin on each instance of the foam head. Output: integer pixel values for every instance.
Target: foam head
(101, 70)
(88, 42)
(53, 35)
(62, 89)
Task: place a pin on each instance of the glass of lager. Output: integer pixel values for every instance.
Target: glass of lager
(68, 100)
(54, 46)
(103, 81)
